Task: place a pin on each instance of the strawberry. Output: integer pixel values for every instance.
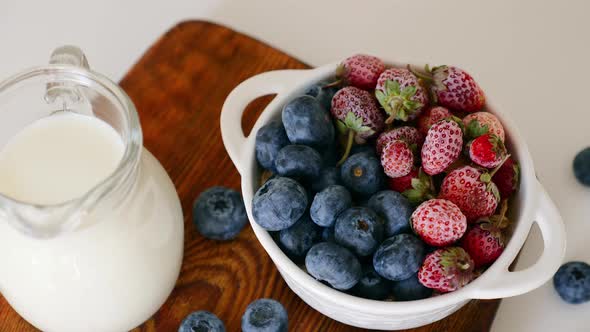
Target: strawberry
(402, 183)
(361, 71)
(484, 241)
(472, 191)
(442, 146)
(431, 116)
(446, 270)
(506, 178)
(407, 134)
(400, 94)
(439, 222)
(357, 115)
(454, 88)
(397, 159)
(479, 123)
(487, 150)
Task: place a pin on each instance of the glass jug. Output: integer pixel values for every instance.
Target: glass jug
(107, 259)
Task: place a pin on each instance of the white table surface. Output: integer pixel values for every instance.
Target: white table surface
(531, 57)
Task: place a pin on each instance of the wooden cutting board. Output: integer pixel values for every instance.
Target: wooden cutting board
(179, 86)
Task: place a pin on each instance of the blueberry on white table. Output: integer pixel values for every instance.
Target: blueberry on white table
(572, 282)
(582, 166)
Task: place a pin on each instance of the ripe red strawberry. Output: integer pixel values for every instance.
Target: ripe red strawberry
(397, 159)
(407, 134)
(454, 88)
(446, 270)
(431, 116)
(479, 123)
(402, 183)
(439, 222)
(442, 146)
(400, 94)
(506, 178)
(484, 241)
(472, 191)
(357, 115)
(487, 150)
(361, 71)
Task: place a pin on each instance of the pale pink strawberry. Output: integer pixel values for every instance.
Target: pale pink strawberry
(397, 159)
(439, 222)
(361, 71)
(407, 134)
(400, 94)
(454, 88)
(446, 270)
(487, 150)
(357, 115)
(479, 123)
(472, 191)
(431, 116)
(442, 146)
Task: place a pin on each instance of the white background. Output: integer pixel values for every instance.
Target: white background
(531, 57)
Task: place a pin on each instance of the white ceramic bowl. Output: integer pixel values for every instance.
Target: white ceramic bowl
(531, 204)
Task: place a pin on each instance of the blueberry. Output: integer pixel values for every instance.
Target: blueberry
(572, 282)
(359, 229)
(328, 234)
(297, 239)
(323, 93)
(328, 176)
(410, 290)
(307, 122)
(265, 315)
(298, 161)
(333, 264)
(201, 321)
(279, 203)
(328, 204)
(395, 210)
(399, 257)
(219, 213)
(362, 174)
(582, 166)
(371, 285)
(270, 139)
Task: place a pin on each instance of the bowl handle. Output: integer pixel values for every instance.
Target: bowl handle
(505, 283)
(278, 81)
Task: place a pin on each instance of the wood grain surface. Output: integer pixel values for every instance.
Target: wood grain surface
(179, 86)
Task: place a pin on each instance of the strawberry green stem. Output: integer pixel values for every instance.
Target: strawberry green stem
(349, 140)
(425, 77)
(393, 115)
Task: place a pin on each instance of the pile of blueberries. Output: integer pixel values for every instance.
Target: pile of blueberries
(337, 221)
